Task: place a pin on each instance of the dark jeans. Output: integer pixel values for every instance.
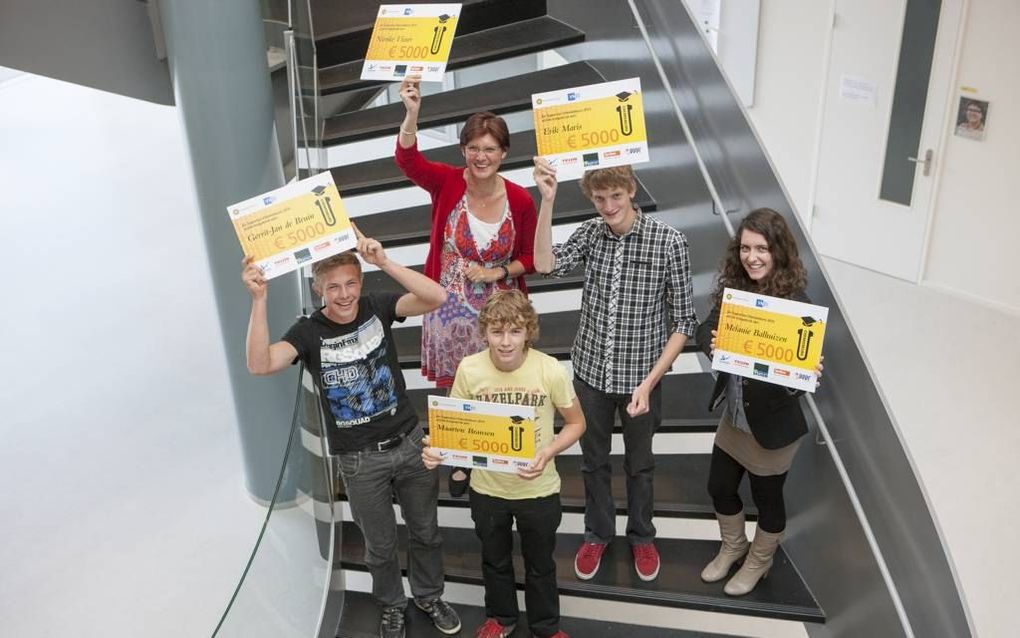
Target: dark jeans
(724, 477)
(600, 411)
(537, 521)
(371, 480)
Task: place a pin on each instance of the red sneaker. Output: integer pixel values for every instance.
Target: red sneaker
(646, 561)
(588, 559)
(492, 629)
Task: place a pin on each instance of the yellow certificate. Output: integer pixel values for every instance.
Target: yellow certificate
(411, 39)
(771, 339)
(483, 435)
(588, 127)
(300, 223)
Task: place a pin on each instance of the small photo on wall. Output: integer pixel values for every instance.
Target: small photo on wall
(972, 118)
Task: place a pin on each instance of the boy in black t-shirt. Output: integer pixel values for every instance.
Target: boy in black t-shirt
(371, 427)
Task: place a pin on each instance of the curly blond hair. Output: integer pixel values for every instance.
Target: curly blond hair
(509, 308)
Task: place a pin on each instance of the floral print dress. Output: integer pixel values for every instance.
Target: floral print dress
(450, 332)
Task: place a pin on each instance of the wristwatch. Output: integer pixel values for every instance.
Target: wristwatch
(506, 272)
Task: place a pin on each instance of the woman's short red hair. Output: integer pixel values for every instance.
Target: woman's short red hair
(485, 122)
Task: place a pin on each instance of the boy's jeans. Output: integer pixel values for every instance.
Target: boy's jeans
(371, 479)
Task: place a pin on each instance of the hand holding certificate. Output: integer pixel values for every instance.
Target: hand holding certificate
(477, 434)
(769, 338)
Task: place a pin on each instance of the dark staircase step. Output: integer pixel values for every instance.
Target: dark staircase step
(783, 595)
(680, 487)
(344, 29)
(499, 96)
(360, 619)
(479, 47)
(378, 281)
(412, 225)
(684, 403)
(556, 338)
(558, 330)
(383, 173)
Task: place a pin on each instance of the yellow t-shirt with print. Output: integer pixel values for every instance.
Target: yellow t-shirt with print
(540, 382)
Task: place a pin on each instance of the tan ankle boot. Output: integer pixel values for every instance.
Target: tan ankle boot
(757, 564)
(734, 546)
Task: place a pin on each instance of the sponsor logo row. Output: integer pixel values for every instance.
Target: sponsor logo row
(403, 69)
(762, 369)
(593, 159)
(485, 461)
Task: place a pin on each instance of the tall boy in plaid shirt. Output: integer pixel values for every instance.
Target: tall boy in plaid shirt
(636, 272)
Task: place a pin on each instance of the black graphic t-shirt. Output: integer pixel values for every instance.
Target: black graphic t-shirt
(356, 370)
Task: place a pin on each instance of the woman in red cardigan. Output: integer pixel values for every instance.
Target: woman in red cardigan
(483, 230)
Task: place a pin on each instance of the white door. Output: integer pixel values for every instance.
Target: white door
(865, 211)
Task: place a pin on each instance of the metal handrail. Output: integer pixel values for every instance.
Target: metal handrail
(292, 439)
(702, 167)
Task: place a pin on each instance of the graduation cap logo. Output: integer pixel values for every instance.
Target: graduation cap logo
(517, 433)
(804, 336)
(623, 113)
(438, 32)
(325, 205)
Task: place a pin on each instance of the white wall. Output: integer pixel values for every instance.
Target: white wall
(788, 87)
(973, 218)
(976, 225)
(118, 453)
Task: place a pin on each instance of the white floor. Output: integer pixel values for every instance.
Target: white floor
(946, 372)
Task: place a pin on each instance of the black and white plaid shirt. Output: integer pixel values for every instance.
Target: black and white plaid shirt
(629, 284)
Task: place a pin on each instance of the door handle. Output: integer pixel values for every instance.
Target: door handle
(926, 162)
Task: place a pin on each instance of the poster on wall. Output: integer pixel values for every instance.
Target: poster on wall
(972, 118)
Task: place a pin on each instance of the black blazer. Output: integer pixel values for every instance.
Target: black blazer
(774, 414)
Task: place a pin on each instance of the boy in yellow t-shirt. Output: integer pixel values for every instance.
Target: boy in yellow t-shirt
(511, 371)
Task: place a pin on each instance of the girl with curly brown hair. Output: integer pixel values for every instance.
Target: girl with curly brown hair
(762, 423)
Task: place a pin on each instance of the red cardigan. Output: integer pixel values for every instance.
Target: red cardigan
(446, 186)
